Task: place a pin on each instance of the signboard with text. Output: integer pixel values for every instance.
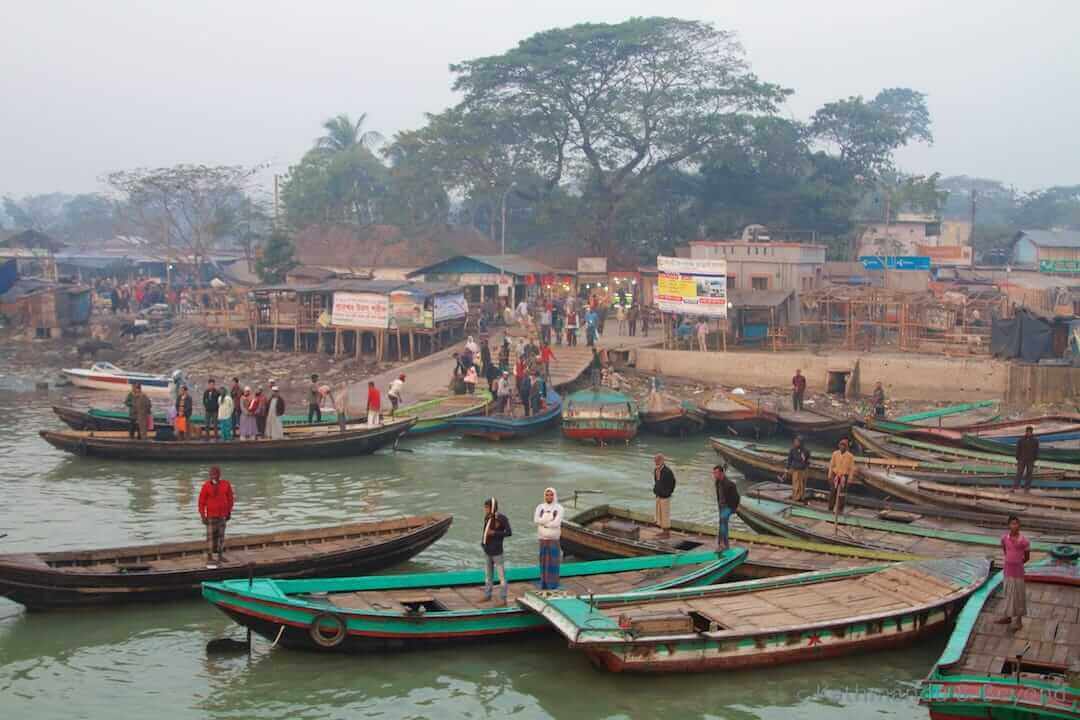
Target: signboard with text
(592, 265)
(1059, 266)
(360, 310)
(895, 262)
(450, 307)
(692, 286)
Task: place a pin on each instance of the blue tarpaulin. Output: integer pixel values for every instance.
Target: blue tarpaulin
(9, 273)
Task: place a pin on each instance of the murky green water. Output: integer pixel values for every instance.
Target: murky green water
(149, 661)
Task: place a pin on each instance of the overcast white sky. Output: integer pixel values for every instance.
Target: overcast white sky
(91, 87)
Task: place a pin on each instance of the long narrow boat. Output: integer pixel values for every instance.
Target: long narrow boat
(1046, 511)
(105, 419)
(509, 427)
(882, 445)
(759, 623)
(609, 532)
(404, 611)
(1067, 451)
(816, 426)
(1049, 427)
(939, 415)
(600, 415)
(106, 376)
(766, 509)
(757, 462)
(740, 418)
(165, 571)
(671, 416)
(435, 415)
(990, 671)
(301, 442)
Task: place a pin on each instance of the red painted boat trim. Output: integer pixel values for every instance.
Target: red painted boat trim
(598, 434)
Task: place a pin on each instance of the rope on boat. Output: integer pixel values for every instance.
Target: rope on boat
(280, 632)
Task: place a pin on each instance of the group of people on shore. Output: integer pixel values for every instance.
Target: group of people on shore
(559, 321)
(519, 376)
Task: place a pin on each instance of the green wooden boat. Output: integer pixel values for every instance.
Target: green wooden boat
(404, 611)
(946, 411)
(763, 623)
(1033, 673)
(764, 507)
(435, 415)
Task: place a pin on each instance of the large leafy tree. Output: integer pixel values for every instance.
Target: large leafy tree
(277, 259)
(868, 132)
(615, 104)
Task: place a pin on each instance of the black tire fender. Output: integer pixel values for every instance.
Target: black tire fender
(328, 641)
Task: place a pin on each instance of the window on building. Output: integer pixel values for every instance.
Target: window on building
(730, 282)
(759, 282)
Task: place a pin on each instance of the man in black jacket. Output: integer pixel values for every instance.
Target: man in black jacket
(496, 528)
(1027, 452)
(798, 460)
(211, 399)
(727, 502)
(663, 488)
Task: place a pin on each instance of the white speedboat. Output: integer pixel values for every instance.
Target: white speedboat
(106, 376)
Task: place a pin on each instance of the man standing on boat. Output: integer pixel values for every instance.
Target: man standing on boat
(841, 468)
(798, 461)
(798, 390)
(225, 416)
(183, 413)
(1017, 551)
(314, 411)
(211, 400)
(877, 400)
(397, 387)
(663, 489)
(138, 404)
(215, 508)
(275, 429)
(1027, 453)
(496, 529)
(548, 518)
(374, 404)
(546, 356)
(236, 393)
(727, 502)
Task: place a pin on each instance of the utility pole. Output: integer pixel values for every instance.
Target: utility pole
(971, 230)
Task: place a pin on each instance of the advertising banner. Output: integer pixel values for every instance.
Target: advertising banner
(406, 310)
(1059, 266)
(895, 262)
(692, 286)
(450, 307)
(360, 310)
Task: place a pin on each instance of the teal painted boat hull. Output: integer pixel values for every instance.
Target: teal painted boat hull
(290, 611)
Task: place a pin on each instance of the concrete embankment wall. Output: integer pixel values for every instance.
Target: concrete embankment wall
(911, 377)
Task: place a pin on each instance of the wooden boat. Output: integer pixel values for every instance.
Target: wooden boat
(938, 416)
(1048, 473)
(600, 415)
(757, 462)
(990, 671)
(104, 419)
(404, 611)
(165, 571)
(815, 426)
(106, 376)
(608, 532)
(299, 443)
(766, 509)
(768, 622)
(435, 415)
(1047, 511)
(1067, 451)
(508, 427)
(1049, 427)
(668, 415)
(742, 418)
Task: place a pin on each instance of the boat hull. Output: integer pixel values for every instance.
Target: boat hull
(600, 432)
(504, 427)
(673, 424)
(158, 387)
(106, 420)
(40, 588)
(352, 442)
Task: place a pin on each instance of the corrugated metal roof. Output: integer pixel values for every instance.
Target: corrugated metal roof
(1052, 238)
(513, 264)
(758, 298)
(378, 287)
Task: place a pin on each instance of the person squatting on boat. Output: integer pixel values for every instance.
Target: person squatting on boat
(548, 518)
(215, 508)
(496, 529)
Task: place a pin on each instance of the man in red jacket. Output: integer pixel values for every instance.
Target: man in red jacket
(215, 508)
(374, 405)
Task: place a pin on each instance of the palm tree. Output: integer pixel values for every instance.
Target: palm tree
(344, 134)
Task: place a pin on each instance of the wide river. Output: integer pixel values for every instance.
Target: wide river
(149, 662)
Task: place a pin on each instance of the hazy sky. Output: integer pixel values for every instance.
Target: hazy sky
(90, 87)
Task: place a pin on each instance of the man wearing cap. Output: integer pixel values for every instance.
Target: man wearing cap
(215, 508)
(275, 429)
(314, 412)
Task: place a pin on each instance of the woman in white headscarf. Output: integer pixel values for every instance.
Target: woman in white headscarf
(471, 346)
(548, 519)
